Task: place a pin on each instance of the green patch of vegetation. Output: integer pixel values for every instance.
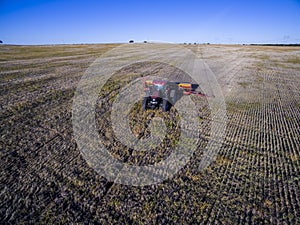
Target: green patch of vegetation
(261, 56)
(260, 65)
(287, 66)
(11, 76)
(242, 106)
(259, 79)
(244, 84)
(293, 59)
(221, 160)
(213, 57)
(34, 87)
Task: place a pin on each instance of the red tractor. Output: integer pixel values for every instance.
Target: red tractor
(164, 94)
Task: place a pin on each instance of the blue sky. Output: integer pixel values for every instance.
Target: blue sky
(220, 21)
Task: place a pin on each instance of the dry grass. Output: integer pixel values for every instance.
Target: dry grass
(44, 178)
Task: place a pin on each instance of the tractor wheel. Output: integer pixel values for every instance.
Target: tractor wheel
(144, 103)
(165, 105)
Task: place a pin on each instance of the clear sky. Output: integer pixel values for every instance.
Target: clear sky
(219, 21)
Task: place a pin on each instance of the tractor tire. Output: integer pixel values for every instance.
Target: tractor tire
(144, 103)
(165, 105)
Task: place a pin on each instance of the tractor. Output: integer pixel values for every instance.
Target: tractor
(164, 94)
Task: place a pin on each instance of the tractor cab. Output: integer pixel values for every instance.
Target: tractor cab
(156, 90)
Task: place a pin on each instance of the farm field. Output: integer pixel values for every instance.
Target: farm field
(255, 178)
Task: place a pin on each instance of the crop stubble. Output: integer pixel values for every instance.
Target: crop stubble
(255, 178)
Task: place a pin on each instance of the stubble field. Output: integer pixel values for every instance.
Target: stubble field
(254, 180)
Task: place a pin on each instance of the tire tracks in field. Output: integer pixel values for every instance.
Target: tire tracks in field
(244, 157)
(185, 63)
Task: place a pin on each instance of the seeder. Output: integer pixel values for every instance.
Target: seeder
(164, 94)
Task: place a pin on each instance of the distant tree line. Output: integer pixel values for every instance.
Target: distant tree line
(132, 41)
(275, 44)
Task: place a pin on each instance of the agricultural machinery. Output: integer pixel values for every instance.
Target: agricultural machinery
(164, 94)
